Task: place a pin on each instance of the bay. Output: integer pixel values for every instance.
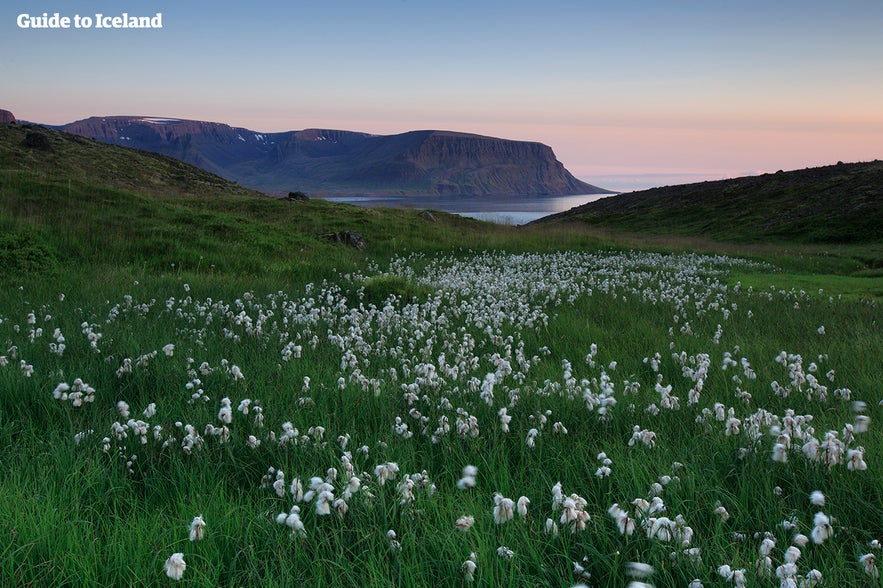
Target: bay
(517, 210)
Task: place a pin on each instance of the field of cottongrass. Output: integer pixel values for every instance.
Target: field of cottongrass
(596, 418)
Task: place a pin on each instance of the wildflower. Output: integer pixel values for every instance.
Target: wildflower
(869, 563)
(464, 523)
(792, 554)
(237, 373)
(636, 569)
(505, 553)
(722, 513)
(197, 528)
(169, 349)
(817, 498)
(780, 453)
(225, 413)
(503, 509)
(551, 527)
(123, 408)
(393, 542)
(799, 539)
(855, 459)
(522, 504)
(175, 566)
(468, 479)
(822, 528)
(386, 471)
(469, 566)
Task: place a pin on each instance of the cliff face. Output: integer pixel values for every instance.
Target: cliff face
(6, 117)
(326, 162)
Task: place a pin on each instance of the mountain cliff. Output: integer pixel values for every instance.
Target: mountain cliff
(6, 117)
(325, 162)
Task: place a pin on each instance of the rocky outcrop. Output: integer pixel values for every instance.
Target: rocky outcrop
(6, 117)
(325, 162)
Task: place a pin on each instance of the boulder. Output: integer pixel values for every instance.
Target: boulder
(428, 216)
(38, 141)
(6, 117)
(350, 238)
(297, 196)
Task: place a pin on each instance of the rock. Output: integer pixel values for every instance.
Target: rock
(350, 238)
(427, 216)
(6, 117)
(297, 196)
(37, 141)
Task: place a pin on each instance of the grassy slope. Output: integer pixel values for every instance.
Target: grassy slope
(92, 211)
(835, 204)
(91, 206)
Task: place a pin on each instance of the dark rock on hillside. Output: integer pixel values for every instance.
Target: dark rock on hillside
(36, 140)
(297, 196)
(325, 162)
(350, 238)
(6, 117)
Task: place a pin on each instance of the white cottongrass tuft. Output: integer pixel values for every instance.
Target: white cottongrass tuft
(175, 566)
(197, 528)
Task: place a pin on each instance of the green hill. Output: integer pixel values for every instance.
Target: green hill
(840, 203)
(76, 204)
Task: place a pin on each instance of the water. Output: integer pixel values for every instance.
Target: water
(508, 210)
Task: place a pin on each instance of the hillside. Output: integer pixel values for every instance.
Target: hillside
(78, 206)
(840, 203)
(326, 162)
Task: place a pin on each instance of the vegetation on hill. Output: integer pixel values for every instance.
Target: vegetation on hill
(840, 203)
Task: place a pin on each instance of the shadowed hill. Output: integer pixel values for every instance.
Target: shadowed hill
(71, 204)
(325, 162)
(840, 203)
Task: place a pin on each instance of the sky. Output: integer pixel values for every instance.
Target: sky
(627, 93)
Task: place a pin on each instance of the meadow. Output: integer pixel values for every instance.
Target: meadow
(505, 418)
(201, 391)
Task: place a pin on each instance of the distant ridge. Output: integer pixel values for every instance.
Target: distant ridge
(840, 203)
(327, 162)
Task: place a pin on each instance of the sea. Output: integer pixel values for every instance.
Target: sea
(508, 210)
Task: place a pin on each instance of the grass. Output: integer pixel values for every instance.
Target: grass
(237, 279)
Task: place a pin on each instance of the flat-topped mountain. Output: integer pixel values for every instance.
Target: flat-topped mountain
(324, 162)
(840, 203)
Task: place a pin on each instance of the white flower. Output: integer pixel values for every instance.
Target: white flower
(503, 509)
(197, 528)
(792, 554)
(169, 349)
(636, 569)
(869, 563)
(523, 503)
(817, 498)
(505, 553)
(464, 523)
(822, 528)
(175, 566)
(469, 566)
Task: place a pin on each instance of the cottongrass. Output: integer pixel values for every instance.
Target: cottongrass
(340, 393)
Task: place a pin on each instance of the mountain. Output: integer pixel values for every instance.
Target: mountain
(6, 117)
(326, 162)
(840, 203)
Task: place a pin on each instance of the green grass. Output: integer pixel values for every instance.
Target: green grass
(236, 279)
